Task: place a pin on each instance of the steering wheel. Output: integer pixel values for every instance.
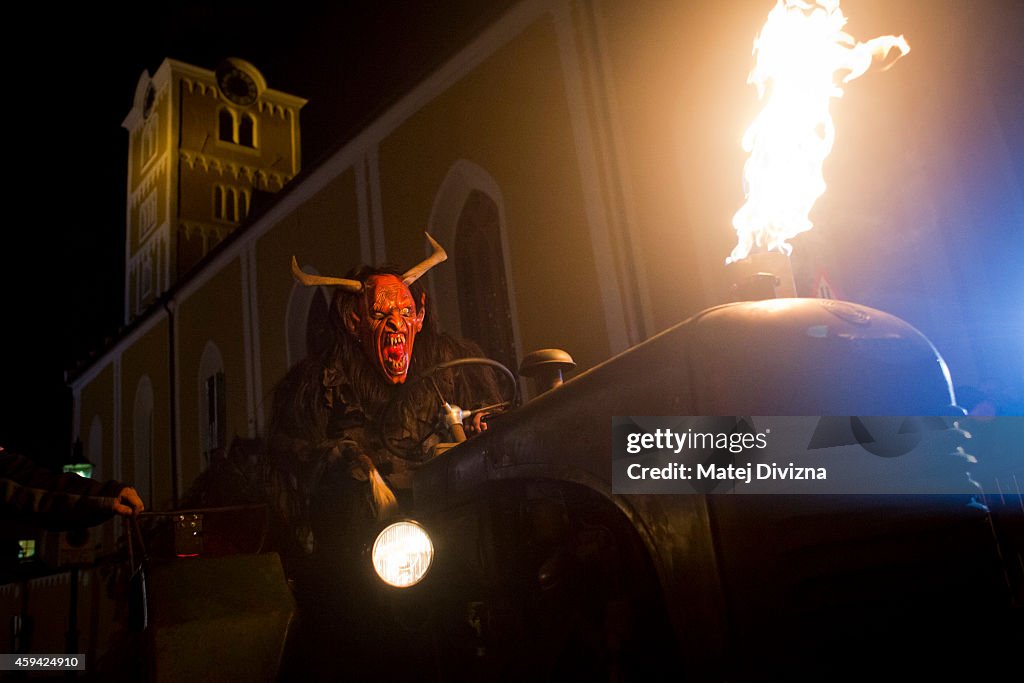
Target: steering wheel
(397, 401)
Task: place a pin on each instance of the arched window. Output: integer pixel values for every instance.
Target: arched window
(226, 125)
(247, 131)
(468, 218)
(212, 402)
(147, 215)
(218, 202)
(484, 309)
(307, 328)
(236, 128)
(230, 205)
(142, 420)
(318, 324)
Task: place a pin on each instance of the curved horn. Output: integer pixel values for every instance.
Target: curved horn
(314, 280)
(417, 271)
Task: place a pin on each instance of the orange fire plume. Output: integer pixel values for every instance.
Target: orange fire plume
(799, 51)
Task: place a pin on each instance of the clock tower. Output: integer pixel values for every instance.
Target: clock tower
(202, 145)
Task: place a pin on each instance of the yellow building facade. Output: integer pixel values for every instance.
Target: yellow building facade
(201, 144)
(497, 144)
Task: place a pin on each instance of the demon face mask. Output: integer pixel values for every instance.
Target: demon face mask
(385, 323)
(387, 317)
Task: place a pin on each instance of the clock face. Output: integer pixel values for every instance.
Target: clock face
(237, 86)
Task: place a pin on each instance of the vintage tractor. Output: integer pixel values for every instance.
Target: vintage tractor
(519, 561)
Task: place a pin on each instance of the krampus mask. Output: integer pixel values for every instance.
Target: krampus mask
(387, 317)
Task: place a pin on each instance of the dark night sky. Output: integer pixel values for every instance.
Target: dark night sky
(62, 269)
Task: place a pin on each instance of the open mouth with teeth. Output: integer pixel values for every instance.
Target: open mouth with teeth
(394, 356)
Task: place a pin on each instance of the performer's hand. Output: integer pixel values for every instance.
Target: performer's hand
(478, 424)
(128, 502)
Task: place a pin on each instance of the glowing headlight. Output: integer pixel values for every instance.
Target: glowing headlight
(402, 554)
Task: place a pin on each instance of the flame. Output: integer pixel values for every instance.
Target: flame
(799, 51)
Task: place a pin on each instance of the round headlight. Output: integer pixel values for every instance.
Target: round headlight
(402, 554)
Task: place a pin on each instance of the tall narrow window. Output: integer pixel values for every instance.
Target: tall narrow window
(216, 413)
(237, 128)
(307, 320)
(230, 205)
(246, 131)
(212, 402)
(147, 215)
(485, 312)
(226, 125)
(318, 324)
(218, 202)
